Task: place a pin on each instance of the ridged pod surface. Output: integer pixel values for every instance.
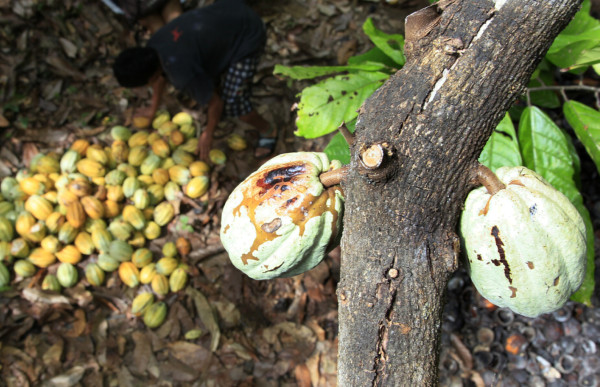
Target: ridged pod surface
(526, 243)
(281, 220)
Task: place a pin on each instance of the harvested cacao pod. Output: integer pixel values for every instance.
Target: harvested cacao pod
(147, 273)
(141, 257)
(24, 268)
(94, 274)
(75, 214)
(155, 315)
(163, 213)
(160, 284)
(107, 263)
(69, 254)
(4, 276)
(166, 265)
(281, 221)
(197, 186)
(183, 246)
(182, 118)
(236, 142)
(67, 275)
(41, 258)
(178, 279)
(39, 207)
(51, 283)
(525, 242)
(169, 249)
(217, 156)
(141, 302)
(120, 250)
(129, 274)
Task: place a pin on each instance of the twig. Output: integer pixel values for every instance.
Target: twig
(334, 177)
(489, 180)
(349, 136)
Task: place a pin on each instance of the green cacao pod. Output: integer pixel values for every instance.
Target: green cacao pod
(10, 189)
(94, 274)
(134, 216)
(137, 154)
(138, 139)
(120, 229)
(51, 283)
(115, 177)
(120, 132)
(4, 276)
(6, 255)
(183, 158)
(24, 268)
(68, 162)
(141, 257)
(155, 315)
(150, 164)
(169, 249)
(6, 230)
(108, 263)
(101, 239)
(156, 193)
(166, 265)
(525, 243)
(171, 190)
(67, 233)
(67, 275)
(281, 220)
(236, 142)
(120, 250)
(130, 185)
(217, 156)
(179, 174)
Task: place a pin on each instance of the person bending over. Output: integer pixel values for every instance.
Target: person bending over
(211, 53)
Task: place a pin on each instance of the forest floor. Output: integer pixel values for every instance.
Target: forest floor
(56, 85)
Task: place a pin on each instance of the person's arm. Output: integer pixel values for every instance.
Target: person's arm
(158, 83)
(215, 110)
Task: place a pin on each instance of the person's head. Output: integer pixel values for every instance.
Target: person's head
(136, 66)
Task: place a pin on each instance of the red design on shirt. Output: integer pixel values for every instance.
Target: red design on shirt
(176, 34)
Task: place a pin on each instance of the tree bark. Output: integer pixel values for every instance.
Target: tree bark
(431, 119)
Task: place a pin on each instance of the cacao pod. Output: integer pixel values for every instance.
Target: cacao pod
(115, 193)
(179, 174)
(84, 243)
(183, 246)
(120, 133)
(134, 216)
(90, 168)
(171, 190)
(188, 131)
(137, 154)
(120, 250)
(155, 315)
(115, 177)
(75, 214)
(169, 249)
(152, 230)
(67, 233)
(141, 122)
(41, 258)
(50, 243)
(236, 142)
(176, 138)
(24, 268)
(79, 188)
(67, 275)
(160, 176)
(94, 274)
(54, 221)
(163, 213)
(17, 248)
(107, 263)
(178, 279)
(199, 168)
(51, 283)
(4, 276)
(197, 187)
(217, 156)
(161, 149)
(32, 186)
(183, 158)
(111, 208)
(96, 153)
(80, 146)
(141, 302)
(39, 207)
(92, 207)
(160, 284)
(526, 243)
(166, 128)
(23, 224)
(160, 118)
(68, 162)
(166, 265)
(6, 230)
(150, 164)
(129, 274)
(101, 239)
(141, 257)
(141, 199)
(147, 273)
(37, 232)
(69, 254)
(138, 139)
(182, 118)
(281, 220)
(119, 152)
(156, 194)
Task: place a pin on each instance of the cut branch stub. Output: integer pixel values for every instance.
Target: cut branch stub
(334, 177)
(372, 157)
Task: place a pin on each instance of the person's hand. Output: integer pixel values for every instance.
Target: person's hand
(204, 145)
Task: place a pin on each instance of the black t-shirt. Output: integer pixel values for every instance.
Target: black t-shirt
(198, 46)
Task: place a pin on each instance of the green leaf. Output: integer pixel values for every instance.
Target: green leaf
(374, 55)
(390, 44)
(310, 72)
(546, 149)
(587, 57)
(581, 34)
(586, 124)
(338, 148)
(502, 149)
(324, 106)
(544, 98)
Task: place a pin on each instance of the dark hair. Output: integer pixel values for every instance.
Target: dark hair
(135, 66)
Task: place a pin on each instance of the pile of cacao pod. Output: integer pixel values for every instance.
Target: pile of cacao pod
(93, 210)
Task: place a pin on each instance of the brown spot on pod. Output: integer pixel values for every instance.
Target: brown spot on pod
(272, 226)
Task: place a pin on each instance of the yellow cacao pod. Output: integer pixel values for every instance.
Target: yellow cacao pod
(120, 229)
(96, 153)
(111, 208)
(138, 139)
(141, 302)
(93, 207)
(160, 176)
(179, 174)
(166, 265)
(169, 249)
(137, 239)
(147, 273)
(119, 151)
(160, 118)
(163, 213)
(54, 221)
(197, 187)
(115, 193)
(39, 207)
(161, 148)
(134, 216)
(80, 146)
(80, 187)
(182, 118)
(178, 279)
(32, 186)
(152, 230)
(69, 254)
(129, 274)
(130, 185)
(141, 122)
(23, 224)
(75, 214)
(66, 197)
(141, 257)
(176, 138)
(199, 168)
(236, 142)
(84, 243)
(37, 232)
(48, 164)
(50, 243)
(90, 168)
(137, 154)
(41, 258)
(166, 128)
(160, 284)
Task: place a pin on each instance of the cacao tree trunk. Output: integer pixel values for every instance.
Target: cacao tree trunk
(416, 147)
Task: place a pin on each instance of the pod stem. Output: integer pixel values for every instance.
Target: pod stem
(489, 180)
(334, 177)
